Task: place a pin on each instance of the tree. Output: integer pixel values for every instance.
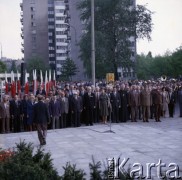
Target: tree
(2, 67)
(69, 69)
(13, 66)
(36, 63)
(170, 65)
(115, 23)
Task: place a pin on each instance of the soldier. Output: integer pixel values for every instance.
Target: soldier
(146, 101)
(134, 101)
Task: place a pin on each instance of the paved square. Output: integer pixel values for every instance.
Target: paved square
(141, 142)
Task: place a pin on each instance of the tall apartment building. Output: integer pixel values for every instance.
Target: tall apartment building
(51, 30)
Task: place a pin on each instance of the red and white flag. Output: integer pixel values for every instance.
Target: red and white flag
(26, 83)
(13, 85)
(46, 83)
(54, 79)
(34, 81)
(6, 84)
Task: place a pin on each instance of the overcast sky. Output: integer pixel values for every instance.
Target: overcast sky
(166, 34)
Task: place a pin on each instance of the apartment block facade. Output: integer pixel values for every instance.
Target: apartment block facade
(51, 30)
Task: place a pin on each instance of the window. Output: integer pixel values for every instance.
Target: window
(61, 54)
(62, 62)
(59, 40)
(60, 18)
(60, 33)
(61, 25)
(32, 16)
(32, 8)
(50, 8)
(50, 40)
(61, 47)
(51, 55)
(50, 27)
(50, 12)
(33, 24)
(50, 19)
(59, 10)
(51, 48)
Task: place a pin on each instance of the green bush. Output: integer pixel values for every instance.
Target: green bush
(23, 164)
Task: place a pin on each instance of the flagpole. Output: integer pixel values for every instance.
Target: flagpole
(92, 43)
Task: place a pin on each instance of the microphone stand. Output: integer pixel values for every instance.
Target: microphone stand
(110, 130)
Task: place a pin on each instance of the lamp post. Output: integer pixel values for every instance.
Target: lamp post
(92, 42)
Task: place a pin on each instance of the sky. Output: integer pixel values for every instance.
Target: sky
(166, 34)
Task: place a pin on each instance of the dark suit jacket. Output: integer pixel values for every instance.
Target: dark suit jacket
(15, 109)
(89, 101)
(115, 100)
(40, 113)
(54, 108)
(43, 92)
(76, 104)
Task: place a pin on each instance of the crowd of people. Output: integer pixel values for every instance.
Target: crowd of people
(75, 104)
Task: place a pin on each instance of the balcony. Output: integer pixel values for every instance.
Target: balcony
(67, 7)
(69, 38)
(22, 44)
(22, 29)
(22, 36)
(21, 14)
(21, 20)
(21, 6)
(22, 50)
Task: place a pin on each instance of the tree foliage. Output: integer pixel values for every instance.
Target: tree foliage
(69, 69)
(169, 64)
(115, 23)
(2, 67)
(38, 64)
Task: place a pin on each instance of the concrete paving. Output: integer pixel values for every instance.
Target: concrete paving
(141, 142)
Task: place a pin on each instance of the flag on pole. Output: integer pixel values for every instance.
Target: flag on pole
(26, 83)
(6, 83)
(46, 83)
(50, 81)
(13, 85)
(41, 79)
(54, 79)
(18, 86)
(34, 81)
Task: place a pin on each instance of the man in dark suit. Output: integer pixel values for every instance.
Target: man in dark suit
(123, 111)
(172, 101)
(116, 103)
(41, 118)
(41, 91)
(89, 105)
(16, 113)
(76, 108)
(55, 112)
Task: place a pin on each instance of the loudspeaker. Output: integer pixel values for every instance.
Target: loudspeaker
(22, 73)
